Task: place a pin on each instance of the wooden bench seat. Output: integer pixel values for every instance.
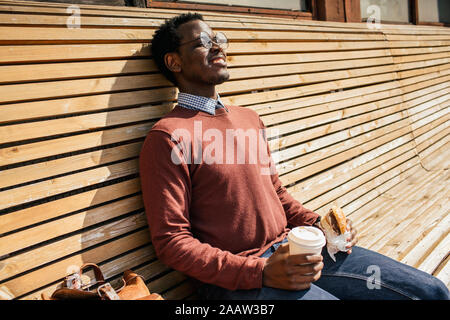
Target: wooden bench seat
(356, 117)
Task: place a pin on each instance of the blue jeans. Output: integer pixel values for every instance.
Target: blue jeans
(363, 274)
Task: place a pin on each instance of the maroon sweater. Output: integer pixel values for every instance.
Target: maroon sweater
(213, 212)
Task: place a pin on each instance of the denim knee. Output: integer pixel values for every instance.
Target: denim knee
(437, 290)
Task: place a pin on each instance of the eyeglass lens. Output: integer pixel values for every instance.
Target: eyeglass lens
(220, 39)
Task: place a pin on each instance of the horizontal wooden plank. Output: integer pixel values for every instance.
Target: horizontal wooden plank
(42, 170)
(184, 290)
(371, 101)
(319, 184)
(31, 130)
(269, 59)
(73, 70)
(47, 148)
(273, 47)
(153, 20)
(433, 127)
(110, 269)
(332, 126)
(401, 175)
(25, 35)
(443, 272)
(46, 188)
(437, 255)
(336, 97)
(396, 218)
(414, 256)
(395, 194)
(323, 87)
(421, 71)
(56, 228)
(441, 111)
(65, 88)
(413, 37)
(423, 64)
(332, 144)
(376, 187)
(416, 51)
(355, 156)
(400, 243)
(40, 213)
(55, 271)
(100, 102)
(421, 43)
(420, 57)
(66, 52)
(363, 189)
(73, 244)
(304, 68)
(425, 96)
(344, 115)
(410, 84)
(437, 160)
(434, 148)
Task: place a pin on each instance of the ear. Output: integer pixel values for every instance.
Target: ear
(173, 61)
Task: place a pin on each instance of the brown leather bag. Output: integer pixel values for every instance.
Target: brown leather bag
(133, 288)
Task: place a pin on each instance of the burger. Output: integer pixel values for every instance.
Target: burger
(334, 222)
(334, 226)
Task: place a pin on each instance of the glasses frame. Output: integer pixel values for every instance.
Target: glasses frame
(207, 41)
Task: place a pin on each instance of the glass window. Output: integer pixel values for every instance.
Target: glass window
(385, 10)
(434, 11)
(297, 5)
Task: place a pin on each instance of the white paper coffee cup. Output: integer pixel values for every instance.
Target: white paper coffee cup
(306, 239)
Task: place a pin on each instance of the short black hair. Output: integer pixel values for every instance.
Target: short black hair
(166, 39)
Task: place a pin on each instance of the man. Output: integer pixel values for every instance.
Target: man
(216, 208)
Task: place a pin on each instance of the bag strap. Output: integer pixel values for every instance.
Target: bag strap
(97, 271)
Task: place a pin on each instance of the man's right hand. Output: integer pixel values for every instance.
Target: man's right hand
(295, 272)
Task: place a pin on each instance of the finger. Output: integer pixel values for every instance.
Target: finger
(283, 248)
(349, 224)
(305, 279)
(353, 233)
(304, 269)
(299, 259)
(352, 243)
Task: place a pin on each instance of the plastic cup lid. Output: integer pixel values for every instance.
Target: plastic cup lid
(307, 236)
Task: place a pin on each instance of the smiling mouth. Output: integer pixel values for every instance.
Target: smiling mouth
(219, 61)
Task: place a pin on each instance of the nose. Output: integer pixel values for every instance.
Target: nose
(215, 48)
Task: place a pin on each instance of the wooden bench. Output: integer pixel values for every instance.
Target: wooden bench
(357, 117)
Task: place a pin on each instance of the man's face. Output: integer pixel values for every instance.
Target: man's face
(200, 66)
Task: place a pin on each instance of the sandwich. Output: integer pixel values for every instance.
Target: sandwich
(334, 226)
(334, 221)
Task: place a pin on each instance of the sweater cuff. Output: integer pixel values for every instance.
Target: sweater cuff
(259, 272)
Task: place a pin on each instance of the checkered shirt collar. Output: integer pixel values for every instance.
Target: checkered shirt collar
(193, 102)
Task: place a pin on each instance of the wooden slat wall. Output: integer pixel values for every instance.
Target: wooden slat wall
(430, 118)
(348, 109)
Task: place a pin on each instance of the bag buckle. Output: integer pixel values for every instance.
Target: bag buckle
(73, 281)
(108, 291)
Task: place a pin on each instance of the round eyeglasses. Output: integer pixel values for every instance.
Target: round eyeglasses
(219, 39)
